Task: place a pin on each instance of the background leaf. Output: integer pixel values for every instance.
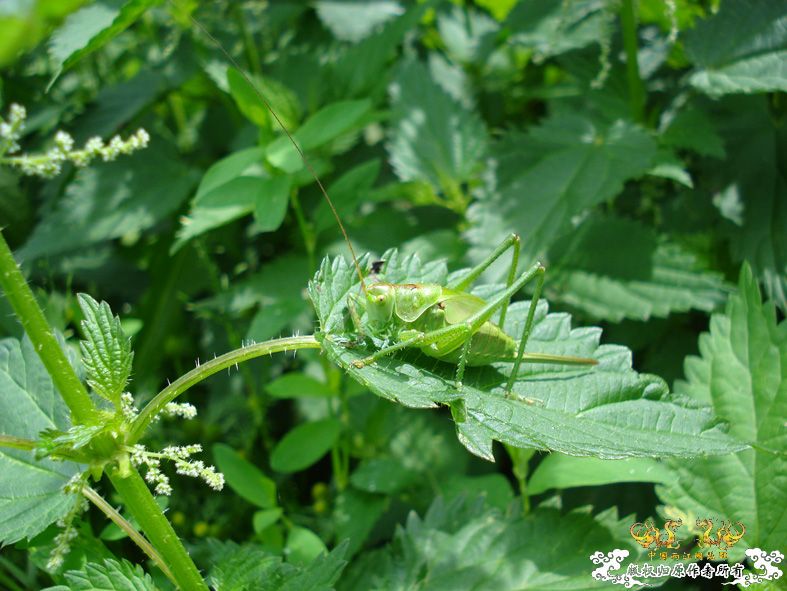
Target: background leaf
(304, 445)
(31, 495)
(547, 179)
(91, 27)
(742, 48)
(244, 477)
(111, 200)
(614, 269)
(742, 373)
(433, 138)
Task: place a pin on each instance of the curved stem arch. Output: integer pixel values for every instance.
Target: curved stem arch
(209, 368)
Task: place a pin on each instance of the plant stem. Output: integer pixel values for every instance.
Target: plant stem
(140, 502)
(520, 458)
(207, 369)
(628, 23)
(108, 510)
(43, 338)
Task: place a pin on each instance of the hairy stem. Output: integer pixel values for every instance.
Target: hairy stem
(108, 510)
(140, 502)
(43, 337)
(628, 22)
(207, 369)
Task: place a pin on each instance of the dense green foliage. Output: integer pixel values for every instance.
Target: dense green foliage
(636, 148)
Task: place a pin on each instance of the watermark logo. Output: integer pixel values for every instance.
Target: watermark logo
(664, 543)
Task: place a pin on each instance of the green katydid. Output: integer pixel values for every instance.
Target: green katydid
(444, 322)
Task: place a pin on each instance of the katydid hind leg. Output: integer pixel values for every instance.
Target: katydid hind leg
(531, 313)
(511, 241)
(460, 368)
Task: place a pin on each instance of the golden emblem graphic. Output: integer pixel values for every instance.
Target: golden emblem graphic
(647, 534)
(725, 536)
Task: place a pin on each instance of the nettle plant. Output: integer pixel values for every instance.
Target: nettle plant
(75, 428)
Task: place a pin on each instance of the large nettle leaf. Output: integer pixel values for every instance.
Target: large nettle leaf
(31, 491)
(111, 200)
(433, 137)
(743, 48)
(110, 575)
(241, 568)
(546, 180)
(751, 194)
(614, 268)
(608, 410)
(464, 545)
(548, 28)
(742, 373)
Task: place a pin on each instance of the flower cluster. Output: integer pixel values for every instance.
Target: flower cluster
(181, 456)
(62, 541)
(184, 410)
(50, 163)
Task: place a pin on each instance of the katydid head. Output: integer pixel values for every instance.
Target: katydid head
(380, 299)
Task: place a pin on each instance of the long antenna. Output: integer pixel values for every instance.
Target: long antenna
(306, 162)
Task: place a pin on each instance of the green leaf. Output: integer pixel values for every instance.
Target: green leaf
(382, 475)
(557, 172)
(613, 269)
(276, 288)
(756, 187)
(91, 27)
(250, 567)
(111, 575)
(304, 445)
(362, 70)
(282, 100)
(561, 471)
(465, 545)
(347, 192)
(297, 385)
(667, 165)
(240, 568)
(111, 200)
(31, 495)
(232, 188)
(303, 546)
(106, 350)
(353, 20)
(692, 129)
(354, 516)
(324, 126)
(262, 520)
(495, 488)
(741, 49)
(607, 411)
(742, 373)
(469, 35)
(433, 138)
(547, 28)
(244, 477)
